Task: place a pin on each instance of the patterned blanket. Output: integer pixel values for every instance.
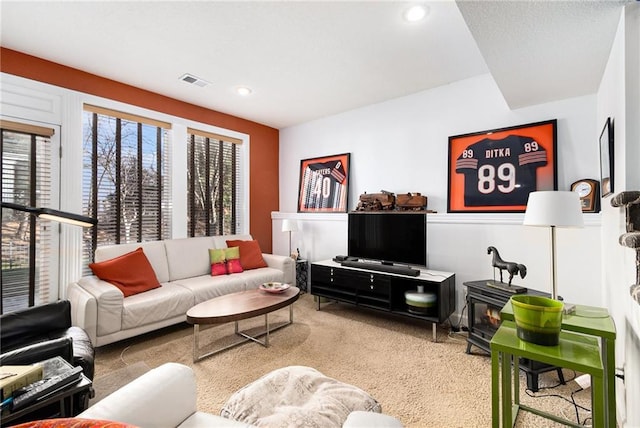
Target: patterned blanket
(297, 396)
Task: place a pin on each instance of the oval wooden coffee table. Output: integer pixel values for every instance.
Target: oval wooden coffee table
(240, 306)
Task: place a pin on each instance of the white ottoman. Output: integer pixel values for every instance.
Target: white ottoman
(297, 396)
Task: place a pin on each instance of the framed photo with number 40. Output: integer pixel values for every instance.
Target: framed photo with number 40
(495, 170)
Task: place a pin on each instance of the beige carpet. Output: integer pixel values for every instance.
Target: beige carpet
(424, 384)
(106, 383)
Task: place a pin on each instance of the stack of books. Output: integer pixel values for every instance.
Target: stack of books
(16, 377)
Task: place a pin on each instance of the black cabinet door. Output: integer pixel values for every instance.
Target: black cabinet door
(370, 283)
(321, 275)
(333, 283)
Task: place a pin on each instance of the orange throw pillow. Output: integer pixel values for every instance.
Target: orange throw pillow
(131, 272)
(250, 254)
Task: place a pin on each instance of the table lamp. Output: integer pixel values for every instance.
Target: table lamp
(554, 209)
(289, 226)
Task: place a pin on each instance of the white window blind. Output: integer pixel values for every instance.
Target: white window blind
(26, 241)
(214, 184)
(126, 178)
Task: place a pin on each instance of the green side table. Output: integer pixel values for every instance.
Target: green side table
(574, 351)
(592, 321)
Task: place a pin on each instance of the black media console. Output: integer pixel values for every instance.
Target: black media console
(384, 291)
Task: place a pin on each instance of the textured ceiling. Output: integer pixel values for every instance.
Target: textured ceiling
(540, 51)
(307, 60)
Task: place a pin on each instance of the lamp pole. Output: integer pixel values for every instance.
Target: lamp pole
(554, 272)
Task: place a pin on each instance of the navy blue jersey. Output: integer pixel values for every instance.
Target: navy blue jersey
(500, 172)
(324, 185)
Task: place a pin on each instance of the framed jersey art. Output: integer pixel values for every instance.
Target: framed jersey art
(495, 170)
(324, 184)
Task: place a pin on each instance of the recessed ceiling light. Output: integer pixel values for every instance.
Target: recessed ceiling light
(415, 13)
(243, 91)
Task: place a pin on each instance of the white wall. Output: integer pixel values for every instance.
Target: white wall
(402, 146)
(619, 98)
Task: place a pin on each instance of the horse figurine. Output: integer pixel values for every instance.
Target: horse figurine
(511, 267)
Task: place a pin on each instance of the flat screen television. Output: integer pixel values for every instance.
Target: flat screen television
(388, 237)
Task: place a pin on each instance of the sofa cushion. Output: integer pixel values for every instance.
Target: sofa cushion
(160, 304)
(131, 272)
(154, 251)
(360, 419)
(253, 278)
(250, 253)
(162, 397)
(207, 287)
(189, 257)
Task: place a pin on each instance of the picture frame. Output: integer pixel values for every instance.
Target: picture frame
(606, 158)
(495, 170)
(324, 184)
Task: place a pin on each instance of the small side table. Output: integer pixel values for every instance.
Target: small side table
(574, 351)
(592, 321)
(302, 274)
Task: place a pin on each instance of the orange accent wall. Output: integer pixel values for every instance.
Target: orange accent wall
(264, 146)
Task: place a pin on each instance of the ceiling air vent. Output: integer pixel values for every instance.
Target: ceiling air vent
(190, 78)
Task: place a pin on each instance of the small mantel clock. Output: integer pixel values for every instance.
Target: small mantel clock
(589, 192)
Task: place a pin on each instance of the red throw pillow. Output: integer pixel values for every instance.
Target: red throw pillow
(250, 254)
(233, 260)
(131, 272)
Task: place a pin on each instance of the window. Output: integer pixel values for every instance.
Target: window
(26, 241)
(213, 173)
(126, 178)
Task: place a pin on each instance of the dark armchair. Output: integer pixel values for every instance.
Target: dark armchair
(41, 332)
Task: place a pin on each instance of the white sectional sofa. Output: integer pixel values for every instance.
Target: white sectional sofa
(183, 269)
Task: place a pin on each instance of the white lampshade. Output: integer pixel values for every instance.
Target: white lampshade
(289, 225)
(553, 208)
